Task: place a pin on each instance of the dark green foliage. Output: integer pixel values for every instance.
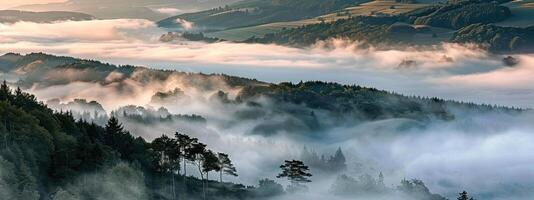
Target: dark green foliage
(296, 172)
(360, 28)
(141, 115)
(198, 37)
(51, 150)
(358, 102)
(464, 196)
(375, 30)
(456, 15)
(497, 38)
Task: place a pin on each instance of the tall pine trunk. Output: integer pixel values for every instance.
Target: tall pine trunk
(207, 183)
(185, 176)
(202, 179)
(173, 186)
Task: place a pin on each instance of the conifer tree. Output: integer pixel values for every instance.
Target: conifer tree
(296, 172)
(226, 166)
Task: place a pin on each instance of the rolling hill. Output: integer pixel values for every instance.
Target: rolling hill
(114, 9)
(497, 28)
(12, 16)
(298, 102)
(255, 12)
(380, 7)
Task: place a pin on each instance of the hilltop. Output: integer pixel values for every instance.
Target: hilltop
(254, 12)
(378, 23)
(12, 16)
(303, 104)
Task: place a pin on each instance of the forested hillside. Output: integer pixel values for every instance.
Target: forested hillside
(61, 157)
(394, 29)
(253, 12)
(458, 14)
(58, 157)
(497, 39)
(369, 29)
(301, 103)
(469, 21)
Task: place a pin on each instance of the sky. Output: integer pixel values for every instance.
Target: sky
(6, 4)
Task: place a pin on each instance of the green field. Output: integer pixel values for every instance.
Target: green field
(379, 7)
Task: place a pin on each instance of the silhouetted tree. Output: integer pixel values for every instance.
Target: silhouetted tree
(296, 172)
(198, 157)
(185, 145)
(464, 196)
(225, 165)
(5, 92)
(168, 157)
(337, 162)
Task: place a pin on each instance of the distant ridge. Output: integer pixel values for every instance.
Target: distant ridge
(13, 16)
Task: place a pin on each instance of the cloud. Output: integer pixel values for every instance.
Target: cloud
(449, 71)
(169, 11)
(448, 156)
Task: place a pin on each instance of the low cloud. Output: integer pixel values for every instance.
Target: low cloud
(449, 71)
(169, 11)
(448, 156)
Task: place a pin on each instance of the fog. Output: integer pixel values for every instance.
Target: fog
(449, 71)
(486, 154)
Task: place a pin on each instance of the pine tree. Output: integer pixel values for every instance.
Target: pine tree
(337, 162)
(296, 172)
(198, 157)
(381, 180)
(226, 166)
(114, 130)
(185, 145)
(464, 196)
(5, 92)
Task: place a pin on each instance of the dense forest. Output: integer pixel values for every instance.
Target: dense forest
(69, 153)
(471, 20)
(496, 38)
(308, 108)
(458, 14)
(370, 29)
(58, 157)
(53, 152)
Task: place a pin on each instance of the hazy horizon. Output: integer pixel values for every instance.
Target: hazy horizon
(4, 5)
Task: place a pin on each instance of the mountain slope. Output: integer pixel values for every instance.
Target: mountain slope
(143, 9)
(302, 105)
(12, 16)
(253, 12)
(456, 21)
